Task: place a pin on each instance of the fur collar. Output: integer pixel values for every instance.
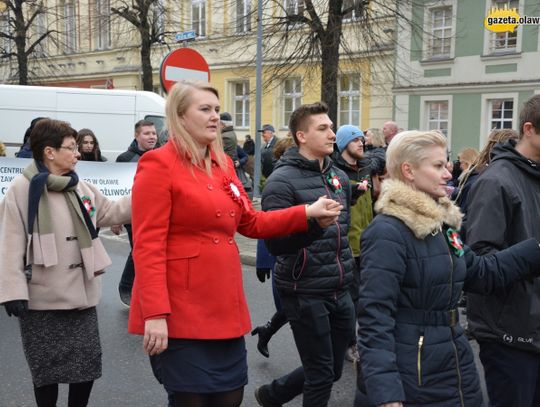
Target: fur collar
(421, 213)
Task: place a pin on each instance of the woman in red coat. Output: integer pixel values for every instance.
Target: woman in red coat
(188, 299)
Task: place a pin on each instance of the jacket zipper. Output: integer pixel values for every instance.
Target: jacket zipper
(456, 356)
(340, 267)
(458, 370)
(419, 359)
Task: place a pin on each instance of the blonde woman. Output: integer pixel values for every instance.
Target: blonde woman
(188, 300)
(414, 266)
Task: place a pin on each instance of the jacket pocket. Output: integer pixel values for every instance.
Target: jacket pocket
(299, 264)
(184, 250)
(180, 262)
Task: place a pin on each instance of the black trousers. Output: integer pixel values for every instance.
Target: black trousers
(322, 329)
(128, 275)
(512, 375)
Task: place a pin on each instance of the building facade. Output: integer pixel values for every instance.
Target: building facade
(92, 47)
(455, 75)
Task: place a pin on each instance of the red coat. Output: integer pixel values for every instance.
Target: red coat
(187, 264)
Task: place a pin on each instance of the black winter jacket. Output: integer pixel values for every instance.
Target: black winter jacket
(503, 209)
(132, 155)
(411, 347)
(318, 262)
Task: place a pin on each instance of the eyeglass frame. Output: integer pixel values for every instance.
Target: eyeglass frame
(74, 149)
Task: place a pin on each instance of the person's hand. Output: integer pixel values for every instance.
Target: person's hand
(325, 211)
(155, 336)
(263, 273)
(116, 229)
(393, 404)
(323, 208)
(16, 307)
(364, 185)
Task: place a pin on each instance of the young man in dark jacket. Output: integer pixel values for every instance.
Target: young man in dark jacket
(504, 207)
(313, 269)
(145, 140)
(350, 158)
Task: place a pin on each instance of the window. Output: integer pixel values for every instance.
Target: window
(504, 41)
(243, 16)
(39, 51)
(440, 33)
(349, 99)
(356, 11)
(292, 98)
(70, 27)
(240, 92)
(437, 116)
(5, 43)
(501, 113)
(159, 18)
(103, 24)
(293, 7)
(198, 17)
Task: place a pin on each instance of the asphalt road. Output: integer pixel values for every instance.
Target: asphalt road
(127, 379)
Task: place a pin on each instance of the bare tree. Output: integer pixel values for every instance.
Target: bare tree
(311, 34)
(21, 14)
(147, 16)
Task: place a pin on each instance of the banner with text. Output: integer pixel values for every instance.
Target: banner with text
(114, 180)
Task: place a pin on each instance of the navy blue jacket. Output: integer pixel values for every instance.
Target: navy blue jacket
(411, 347)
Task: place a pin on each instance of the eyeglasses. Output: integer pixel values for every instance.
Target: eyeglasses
(74, 149)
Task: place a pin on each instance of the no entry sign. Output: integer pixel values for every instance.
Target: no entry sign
(182, 64)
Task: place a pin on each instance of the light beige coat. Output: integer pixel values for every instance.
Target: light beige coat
(59, 286)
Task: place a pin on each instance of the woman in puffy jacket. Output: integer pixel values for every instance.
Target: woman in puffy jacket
(413, 351)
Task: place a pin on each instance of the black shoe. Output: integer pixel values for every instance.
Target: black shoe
(125, 296)
(262, 397)
(267, 330)
(265, 333)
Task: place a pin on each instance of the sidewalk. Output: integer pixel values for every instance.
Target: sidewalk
(247, 246)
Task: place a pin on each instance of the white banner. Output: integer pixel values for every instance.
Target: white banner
(114, 180)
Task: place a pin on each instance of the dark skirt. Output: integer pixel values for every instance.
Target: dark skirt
(202, 366)
(61, 346)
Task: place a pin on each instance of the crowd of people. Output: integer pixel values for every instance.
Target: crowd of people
(369, 239)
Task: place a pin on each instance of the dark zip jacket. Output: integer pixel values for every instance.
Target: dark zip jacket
(412, 347)
(132, 155)
(318, 262)
(503, 209)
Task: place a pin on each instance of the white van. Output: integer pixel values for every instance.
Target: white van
(110, 114)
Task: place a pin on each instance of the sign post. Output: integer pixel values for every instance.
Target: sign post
(182, 64)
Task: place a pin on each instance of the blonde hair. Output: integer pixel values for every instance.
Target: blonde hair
(495, 137)
(282, 145)
(410, 146)
(377, 138)
(468, 156)
(178, 102)
(2, 149)
(484, 157)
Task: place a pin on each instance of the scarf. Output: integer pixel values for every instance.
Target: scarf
(41, 248)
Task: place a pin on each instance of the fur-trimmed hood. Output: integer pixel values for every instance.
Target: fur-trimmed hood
(421, 213)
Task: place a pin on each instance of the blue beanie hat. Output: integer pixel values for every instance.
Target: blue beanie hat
(346, 134)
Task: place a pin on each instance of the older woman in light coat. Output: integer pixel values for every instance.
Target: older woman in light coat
(51, 260)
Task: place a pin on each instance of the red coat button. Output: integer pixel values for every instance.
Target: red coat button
(216, 240)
